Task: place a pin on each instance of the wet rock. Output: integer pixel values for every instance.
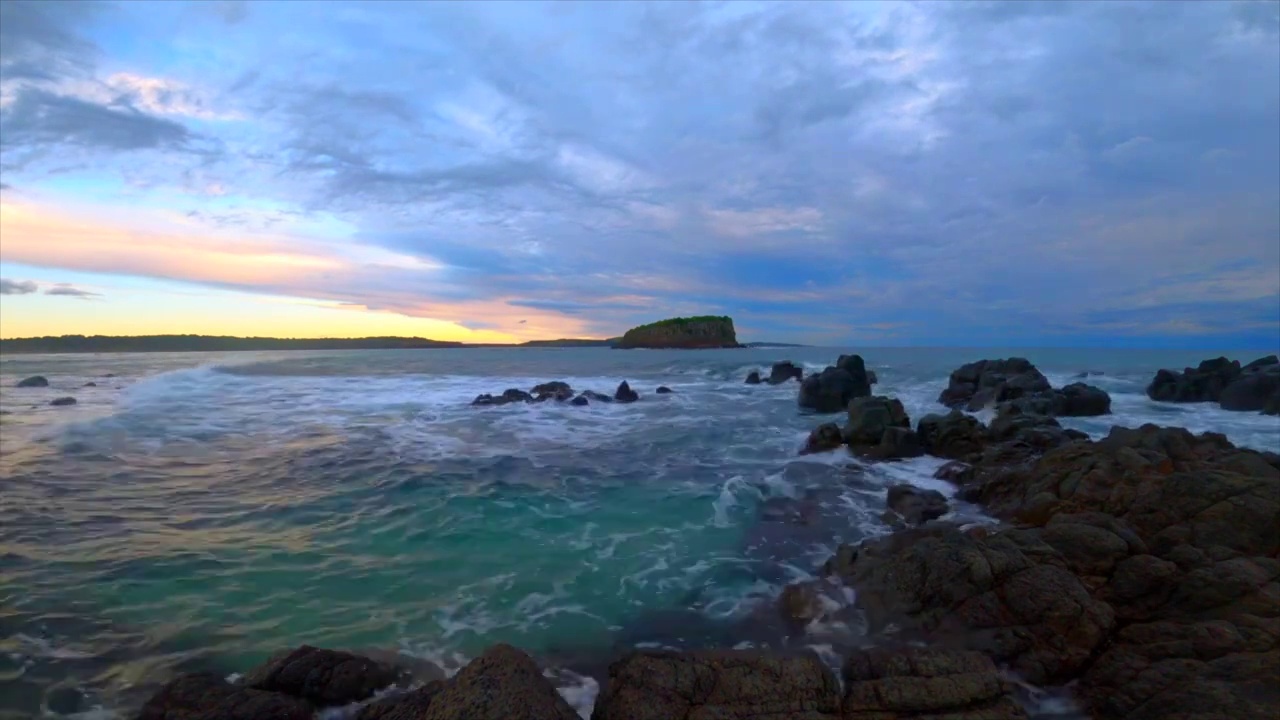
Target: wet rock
(90, 384)
(753, 378)
(832, 389)
(323, 677)
(803, 602)
(554, 390)
(955, 435)
(886, 684)
(870, 416)
(597, 397)
(664, 390)
(510, 395)
(1254, 388)
(897, 443)
(502, 684)
(579, 401)
(784, 371)
(916, 505)
(33, 382)
(724, 684)
(205, 696)
(984, 383)
(62, 401)
(955, 472)
(625, 394)
(824, 438)
(412, 705)
(1080, 400)
(1273, 404)
(1203, 383)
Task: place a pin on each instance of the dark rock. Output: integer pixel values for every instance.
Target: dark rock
(580, 400)
(753, 377)
(57, 402)
(34, 381)
(597, 397)
(625, 394)
(1203, 383)
(955, 435)
(502, 684)
(803, 602)
(684, 333)
(784, 371)
(897, 443)
(323, 677)
(824, 438)
(1080, 400)
(1088, 374)
(511, 395)
(664, 390)
(870, 416)
(980, 384)
(1273, 404)
(91, 384)
(723, 684)
(955, 472)
(412, 705)
(554, 390)
(886, 684)
(1253, 389)
(917, 506)
(64, 700)
(871, 377)
(832, 389)
(205, 696)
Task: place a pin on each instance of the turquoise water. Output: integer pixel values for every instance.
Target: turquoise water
(203, 511)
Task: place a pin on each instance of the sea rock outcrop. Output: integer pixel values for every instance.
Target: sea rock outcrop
(1203, 383)
(33, 382)
(690, 333)
(753, 378)
(980, 384)
(322, 677)
(878, 427)
(625, 394)
(664, 390)
(1257, 385)
(62, 401)
(510, 395)
(784, 371)
(554, 390)
(824, 438)
(831, 390)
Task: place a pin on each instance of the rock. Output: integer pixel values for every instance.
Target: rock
(955, 435)
(824, 438)
(502, 684)
(205, 696)
(579, 401)
(884, 684)
(871, 377)
(1273, 404)
(784, 371)
(511, 395)
(625, 394)
(34, 381)
(1203, 383)
(683, 333)
(803, 602)
(322, 677)
(412, 705)
(870, 416)
(1088, 374)
(64, 700)
(90, 384)
(897, 443)
(554, 390)
(597, 397)
(917, 506)
(720, 684)
(1253, 389)
(1080, 400)
(62, 401)
(832, 389)
(980, 384)
(664, 390)
(753, 377)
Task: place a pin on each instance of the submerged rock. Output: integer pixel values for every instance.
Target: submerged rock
(784, 371)
(509, 396)
(34, 381)
(323, 677)
(625, 394)
(90, 384)
(664, 390)
(58, 402)
(205, 696)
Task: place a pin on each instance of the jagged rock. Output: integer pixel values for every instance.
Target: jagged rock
(205, 696)
(502, 684)
(784, 371)
(58, 402)
(884, 684)
(753, 378)
(664, 390)
(832, 389)
(955, 435)
(1256, 385)
(725, 685)
(510, 395)
(33, 381)
(980, 384)
(916, 505)
(625, 394)
(323, 677)
(870, 416)
(1203, 383)
(825, 437)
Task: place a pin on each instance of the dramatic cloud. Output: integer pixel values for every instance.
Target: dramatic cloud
(17, 287)
(68, 290)
(976, 172)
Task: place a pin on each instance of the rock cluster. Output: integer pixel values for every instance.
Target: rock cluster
(561, 392)
(1252, 388)
(832, 389)
(988, 383)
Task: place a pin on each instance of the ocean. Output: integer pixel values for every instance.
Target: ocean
(202, 510)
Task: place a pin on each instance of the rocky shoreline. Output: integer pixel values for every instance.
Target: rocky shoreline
(1140, 571)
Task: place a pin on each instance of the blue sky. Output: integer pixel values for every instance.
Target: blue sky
(971, 173)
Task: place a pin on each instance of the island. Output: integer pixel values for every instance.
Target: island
(691, 333)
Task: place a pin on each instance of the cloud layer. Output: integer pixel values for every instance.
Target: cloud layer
(976, 173)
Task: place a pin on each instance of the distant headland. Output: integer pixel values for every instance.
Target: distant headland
(691, 333)
(222, 343)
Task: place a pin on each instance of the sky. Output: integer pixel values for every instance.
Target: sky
(880, 173)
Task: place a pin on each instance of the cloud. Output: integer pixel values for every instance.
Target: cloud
(68, 290)
(17, 287)
(969, 172)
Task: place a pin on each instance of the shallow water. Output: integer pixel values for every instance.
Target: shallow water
(204, 510)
